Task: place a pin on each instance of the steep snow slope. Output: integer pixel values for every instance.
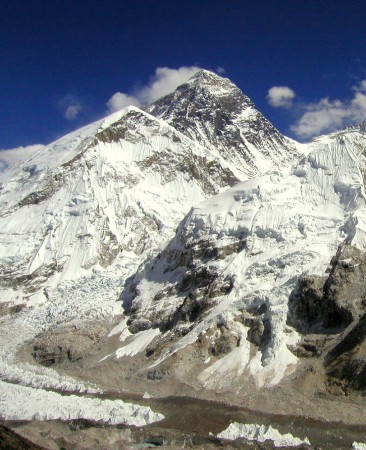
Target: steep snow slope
(78, 217)
(112, 191)
(214, 112)
(236, 259)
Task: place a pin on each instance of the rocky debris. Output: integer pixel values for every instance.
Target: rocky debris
(157, 374)
(66, 343)
(156, 441)
(10, 308)
(223, 342)
(9, 440)
(31, 282)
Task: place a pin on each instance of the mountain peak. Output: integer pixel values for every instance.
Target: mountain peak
(205, 74)
(214, 112)
(215, 83)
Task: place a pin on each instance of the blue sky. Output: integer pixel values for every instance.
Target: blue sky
(62, 61)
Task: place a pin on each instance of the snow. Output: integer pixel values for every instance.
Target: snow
(38, 404)
(99, 199)
(293, 223)
(77, 219)
(260, 433)
(139, 343)
(120, 329)
(358, 446)
(80, 216)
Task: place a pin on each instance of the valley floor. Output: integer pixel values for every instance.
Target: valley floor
(301, 404)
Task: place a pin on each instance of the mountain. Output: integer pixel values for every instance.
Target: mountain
(214, 112)
(77, 218)
(187, 247)
(265, 273)
(113, 192)
(115, 189)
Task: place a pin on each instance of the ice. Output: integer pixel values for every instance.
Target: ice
(37, 404)
(138, 343)
(260, 433)
(358, 446)
(292, 226)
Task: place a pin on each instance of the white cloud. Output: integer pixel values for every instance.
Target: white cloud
(72, 111)
(164, 81)
(329, 115)
(220, 70)
(11, 156)
(69, 107)
(280, 96)
(120, 100)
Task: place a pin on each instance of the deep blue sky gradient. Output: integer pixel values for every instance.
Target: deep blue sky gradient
(90, 49)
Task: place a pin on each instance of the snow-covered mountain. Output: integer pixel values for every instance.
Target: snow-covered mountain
(114, 191)
(116, 188)
(213, 236)
(238, 273)
(214, 112)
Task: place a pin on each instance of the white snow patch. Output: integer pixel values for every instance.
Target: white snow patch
(261, 433)
(121, 330)
(138, 344)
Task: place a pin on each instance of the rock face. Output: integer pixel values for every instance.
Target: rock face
(330, 303)
(333, 308)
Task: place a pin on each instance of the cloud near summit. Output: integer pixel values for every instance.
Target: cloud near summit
(280, 96)
(330, 115)
(11, 156)
(164, 81)
(322, 116)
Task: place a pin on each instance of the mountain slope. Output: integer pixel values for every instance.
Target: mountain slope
(229, 280)
(214, 112)
(227, 285)
(115, 189)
